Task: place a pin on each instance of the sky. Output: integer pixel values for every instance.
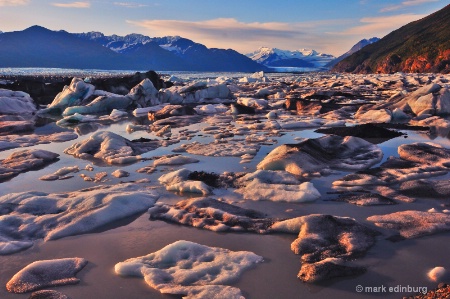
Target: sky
(327, 26)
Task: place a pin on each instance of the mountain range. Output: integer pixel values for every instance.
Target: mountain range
(303, 58)
(420, 46)
(40, 47)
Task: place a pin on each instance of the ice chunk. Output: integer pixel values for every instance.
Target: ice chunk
(325, 242)
(47, 294)
(46, 273)
(119, 173)
(270, 177)
(25, 160)
(111, 148)
(72, 95)
(13, 141)
(211, 214)
(176, 160)
(327, 269)
(222, 149)
(436, 273)
(318, 155)
(36, 215)
(375, 116)
(187, 264)
(318, 236)
(413, 224)
(204, 292)
(16, 102)
(190, 187)
(254, 103)
(174, 177)
(257, 190)
(7, 246)
(425, 153)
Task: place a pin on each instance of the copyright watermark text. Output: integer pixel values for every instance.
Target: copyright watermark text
(391, 289)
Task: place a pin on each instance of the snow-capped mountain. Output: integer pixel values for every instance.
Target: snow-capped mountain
(40, 47)
(358, 46)
(119, 44)
(306, 58)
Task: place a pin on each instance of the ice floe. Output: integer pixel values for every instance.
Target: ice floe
(111, 148)
(25, 160)
(321, 237)
(16, 102)
(183, 264)
(322, 154)
(14, 141)
(413, 224)
(255, 189)
(211, 214)
(49, 216)
(46, 273)
(175, 160)
(60, 173)
(47, 294)
(218, 149)
(417, 161)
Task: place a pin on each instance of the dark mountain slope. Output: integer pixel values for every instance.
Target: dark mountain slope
(420, 46)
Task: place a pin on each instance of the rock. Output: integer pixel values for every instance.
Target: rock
(25, 160)
(322, 154)
(413, 224)
(46, 273)
(123, 85)
(211, 214)
(40, 90)
(16, 102)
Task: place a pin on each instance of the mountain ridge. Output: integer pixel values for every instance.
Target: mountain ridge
(420, 46)
(38, 46)
(356, 47)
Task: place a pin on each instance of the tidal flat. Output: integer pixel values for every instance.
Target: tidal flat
(282, 185)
